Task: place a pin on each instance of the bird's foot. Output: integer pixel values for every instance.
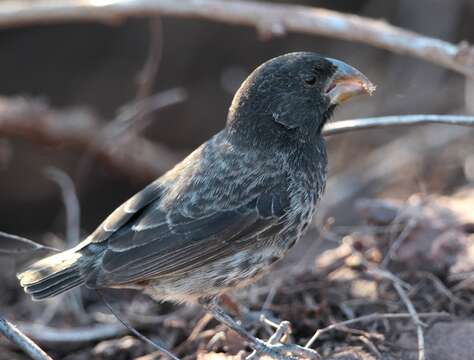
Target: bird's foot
(253, 319)
(276, 349)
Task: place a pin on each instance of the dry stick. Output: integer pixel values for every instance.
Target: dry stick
(146, 77)
(129, 121)
(80, 129)
(344, 126)
(15, 245)
(11, 332)
(45, 334)
(269, 19)
(399, 286)
(123, 131)
(445, 291)
(416, 319)
(74, 302)
(160, 347)
(60, 336)
(368, 318)
(134, 114)
(71, 204)
(397, 243)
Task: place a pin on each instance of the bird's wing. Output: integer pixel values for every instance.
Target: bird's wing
(124, 214)
(156, 243)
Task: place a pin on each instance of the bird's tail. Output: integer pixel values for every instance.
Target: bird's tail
(55, 274)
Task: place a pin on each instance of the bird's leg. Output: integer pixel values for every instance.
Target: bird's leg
(247, 317)
(273, 348)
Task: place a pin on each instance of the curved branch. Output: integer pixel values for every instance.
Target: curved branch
(340, 127)
(11, 332)
(269, 19)
(80, 129)
(49, 336)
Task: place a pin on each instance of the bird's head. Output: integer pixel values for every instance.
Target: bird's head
(292, 96)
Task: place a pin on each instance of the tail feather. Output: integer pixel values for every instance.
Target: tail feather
(55, 274)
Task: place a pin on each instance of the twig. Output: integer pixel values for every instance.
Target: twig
(445, 291)
(416, 319)
(344, 126)
(154, 344)
(269, 19)
(368, 318)
(146, 76)
(397, 243)
(131, 115)
(80, 129)
(279, 336)
(73, 299)
(11, 332)
(49, 335)
(399, 286)
(145, 80)
(71, 204)
(13, 244)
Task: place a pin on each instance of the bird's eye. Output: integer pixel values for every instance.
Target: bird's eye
(310, 81)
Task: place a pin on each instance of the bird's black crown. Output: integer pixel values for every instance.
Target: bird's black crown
(283, 98)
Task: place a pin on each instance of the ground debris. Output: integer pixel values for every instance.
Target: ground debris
(348, 306)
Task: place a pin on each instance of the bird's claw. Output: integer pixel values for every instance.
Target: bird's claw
(275, 349)
(284, 352)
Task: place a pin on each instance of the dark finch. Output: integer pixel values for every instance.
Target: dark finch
(231, 208)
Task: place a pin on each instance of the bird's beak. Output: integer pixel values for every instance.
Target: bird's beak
(346, 83)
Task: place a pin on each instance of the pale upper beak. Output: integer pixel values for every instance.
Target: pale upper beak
(346, 83)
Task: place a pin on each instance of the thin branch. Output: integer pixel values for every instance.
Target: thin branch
(15, 245)
(146, 77)
(80, 129)
(415, 317)
(369, 318)
(400, 287)
(71, 204)
(340, 127)
(130, 118)
(157, 345)
(11, 332)
(48, 335)
(269, 19)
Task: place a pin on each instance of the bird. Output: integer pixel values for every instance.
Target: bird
(222, 216)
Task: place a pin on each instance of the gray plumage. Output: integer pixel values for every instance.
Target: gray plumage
(225, 213)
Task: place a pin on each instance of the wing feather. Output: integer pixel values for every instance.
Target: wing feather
(179, 243)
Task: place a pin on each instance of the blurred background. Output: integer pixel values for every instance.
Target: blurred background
(97, 67)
